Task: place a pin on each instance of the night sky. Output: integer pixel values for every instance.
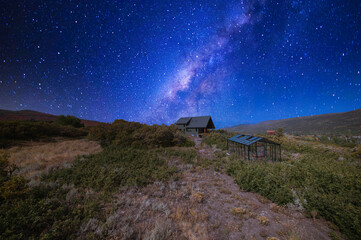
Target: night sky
(156, 61)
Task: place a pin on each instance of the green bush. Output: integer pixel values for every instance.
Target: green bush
(133, 134)
(69, 121)
(218, 138)
(11, 186)
(45, 212)
(33, 130)
(112, 168)
(330, 187)
(343, 142)
(356, 153)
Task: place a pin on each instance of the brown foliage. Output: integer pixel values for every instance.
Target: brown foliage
(133, 134)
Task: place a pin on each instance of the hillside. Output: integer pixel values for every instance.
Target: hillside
(34, 115)
(333, 123)
(187, 189)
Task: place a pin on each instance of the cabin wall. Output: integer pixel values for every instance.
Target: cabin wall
(181, 127)
(191, 131)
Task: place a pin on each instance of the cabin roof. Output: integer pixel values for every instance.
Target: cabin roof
(196, 122)
(184, 120)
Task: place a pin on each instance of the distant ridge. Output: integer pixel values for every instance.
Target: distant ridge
(333, 123)
(24, 115)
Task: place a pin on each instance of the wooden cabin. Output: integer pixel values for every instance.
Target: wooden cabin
(195, 126)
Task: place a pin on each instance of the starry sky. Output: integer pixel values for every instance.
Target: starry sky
(155, 61)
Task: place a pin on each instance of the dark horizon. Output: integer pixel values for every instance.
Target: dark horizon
(222, 126)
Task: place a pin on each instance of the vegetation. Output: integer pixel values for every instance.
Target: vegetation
(133, 134)
(69, 121)
(188, 156)
(38, 159)
(356, 153)
(62, 203)
(65, 199)
(11, 131)
(316, 181)
(136, 155)
(343, 142)
(45, 212)
(279, 134)
(112, 168)
(218, 138)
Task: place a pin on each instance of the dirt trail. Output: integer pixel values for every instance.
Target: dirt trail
(205, 204)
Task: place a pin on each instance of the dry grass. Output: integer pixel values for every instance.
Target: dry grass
(192, 222)
(290, 230)
(238, 211)
(263, 220)
(35, 160)
(197, 197)
(224, 190)
(262, 199)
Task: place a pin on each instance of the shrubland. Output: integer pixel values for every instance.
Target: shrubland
(136, 155)
(67, 198)
(132, 134)
(343, 142)
(317, 181)
(14, 131)
(113, 168)
(217, 138)
(69, 121)
(45, 211)
(58, 206)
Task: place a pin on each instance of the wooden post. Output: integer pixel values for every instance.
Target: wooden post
(256, 150)
(244, 151)
(275, 153)
(249, 152)
(265, 150)
(280, 153)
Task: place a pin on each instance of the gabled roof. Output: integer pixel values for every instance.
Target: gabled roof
(184, 120)
(248, 139)
(196, 122)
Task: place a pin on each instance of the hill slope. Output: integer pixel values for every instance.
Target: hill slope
(333, 123)
(34, 115)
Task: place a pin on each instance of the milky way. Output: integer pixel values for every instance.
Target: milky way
(155, 61)
(190, 88)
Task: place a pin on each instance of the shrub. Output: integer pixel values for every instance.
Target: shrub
(69, 121)
(44, 213)
(32, 130)
(341, 141)
(112, 168)
(218, 138)
(316, 181)
(56, 212)
(133, 134)
(356, 153)
(10, 186)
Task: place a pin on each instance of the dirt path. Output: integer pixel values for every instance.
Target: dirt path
(205, 204)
